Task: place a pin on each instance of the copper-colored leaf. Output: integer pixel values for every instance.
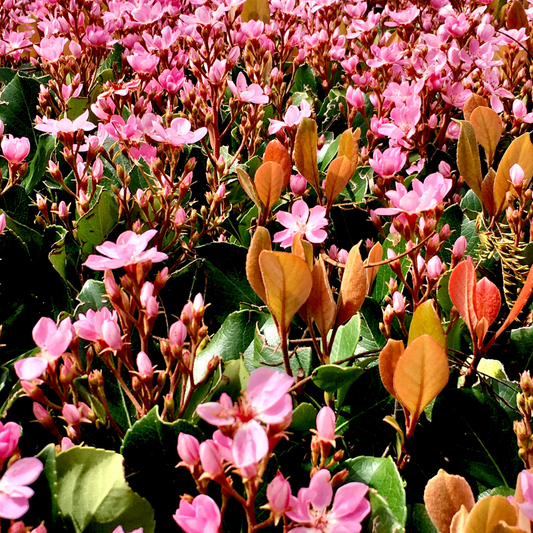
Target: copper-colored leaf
(348, 145)
(426, 321)
(444, 495)
(488, 129)
(288, 282)
(320, 301)
(248, 186)
(303, 249)
(472, 103)
(339, 174)
(487, 193)
(269, 183)
(520, 151)
(260, 241)
(388, 359)
(487, 513)
(421, 373)
(353, 287)
(502, 527)
(305, 156)
(462, 287)
(516, 16)
(488, 301)
(276, 152)
(374, 256)
(468, 157)
(459, 521)
(256, 10)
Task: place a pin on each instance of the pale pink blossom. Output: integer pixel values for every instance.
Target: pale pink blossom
(51, 48)
(355, 97)
(90, 326)
(200, 516)
(310, 509)
(188, 450)
(520, 112)
(298, 184)
(144, 365)
(53, 340)
(292, 117)
(130, 249)
(325, 425)
(304, 221)
(279, 496)
(2, 223)
(423, 197)
(516, 173)
(15, 150)
(9, 438)
(398, 303)
(14, 490)
(434, 267)
(143, 63)
(388, 163)
(252, 93)
(65, 125)
(120, 529)
(178, 133)
(172, 80)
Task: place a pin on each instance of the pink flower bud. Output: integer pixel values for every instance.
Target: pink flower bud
(516, 173)
(147, 292)
(355, 97)
(98, 169)
(278, 496)
(398, 303)
(9, 438)
(445, 169)
(181, 217)
(177, 334)
(343, 256)
(459, 247)
(298, 184)
(221, 191)
(210, 458)
(71, 414)
(111, 334)
(41, 415)
(434, 267)
(66, 444)
(144, 365)
(325, 424)
(1, 127)
(2, 223)
(188, 449)
(62, 209)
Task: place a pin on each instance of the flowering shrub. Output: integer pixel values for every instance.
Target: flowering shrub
(283, 245)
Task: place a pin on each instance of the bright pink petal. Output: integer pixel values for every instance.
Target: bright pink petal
(266, 387)
(30, 368)
(250, 444)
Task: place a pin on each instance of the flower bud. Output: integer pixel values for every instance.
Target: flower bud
(278, 495)
(144, 365)
(188, 449)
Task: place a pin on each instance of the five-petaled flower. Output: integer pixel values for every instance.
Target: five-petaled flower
(303, 221)
(292, 117)
(130, 249)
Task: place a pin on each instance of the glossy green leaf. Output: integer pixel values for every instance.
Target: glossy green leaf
(94, 226)
(381, 519)
(39, 162)
(346, 340)
(381, 474)
(92, 296)
(93, 495)
(332, 377)
(149, 450)
(418, 519)
(303, 417)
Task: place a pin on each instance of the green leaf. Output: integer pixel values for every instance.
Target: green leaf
(332, 377)
(470, 202)
(371, 336)
(304, 80)
(382, 475)
(522, 345)
(468, 229)
(114, 57)
(418, 519)
(45, 488)
(304, 417)
(15, 202)
(381, 519)
(357, 187)
(477, 436)
(94, 226)
(149, 450)
(346, 340)
(18, 108)
(39, 163)
(92, 296)
(328, 151)
(93, 494)
(76, 106)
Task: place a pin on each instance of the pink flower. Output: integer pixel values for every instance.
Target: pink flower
(325, 424)
(200, 516)
(52, 340)
(279, 496)
(292, 117)
(388, 163)
(516, 173)
(120, 529)
(9, 438)
(15, 150)
(172, 80)
(459, 247)
(143, 63)
(144, 365)
(302, 221)
(128, 250)
(51, 48)
(434, 267)
(14, 492)
(30, 368)
(65, 125)
(298, 184)
(252, 93)
(2, 223)
(178, 133)
(309, 509)
(423, 197)
(355, 98)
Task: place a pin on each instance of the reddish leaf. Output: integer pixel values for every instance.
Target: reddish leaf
(488, 301)
(388, 359)
(320, 301)
(488, 128)
(260, 241)
(374, 256)
(353, 287)
(472, 103)
(305, 152)
(277, 153)
(340, 172)
(462, 289)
